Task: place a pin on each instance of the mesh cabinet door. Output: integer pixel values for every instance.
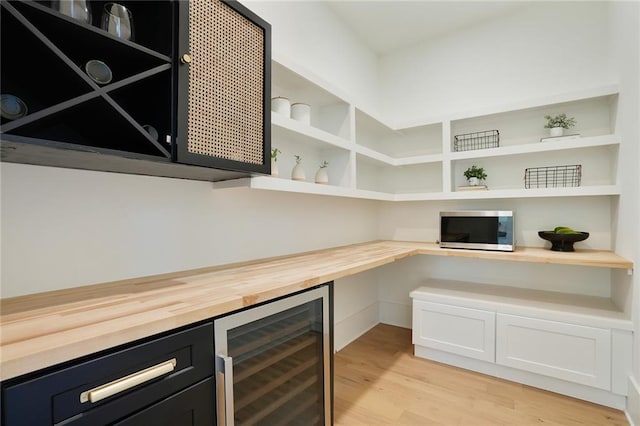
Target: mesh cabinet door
(224, 87)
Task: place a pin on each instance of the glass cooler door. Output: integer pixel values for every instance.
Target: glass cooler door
(272, 363)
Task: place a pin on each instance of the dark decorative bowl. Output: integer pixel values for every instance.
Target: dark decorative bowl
(562, 242)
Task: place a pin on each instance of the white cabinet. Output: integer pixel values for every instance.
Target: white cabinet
(463, 331)
(370, 158)
(570, 352)
(567, 343)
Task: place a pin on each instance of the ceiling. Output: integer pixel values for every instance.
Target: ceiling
(389, 25)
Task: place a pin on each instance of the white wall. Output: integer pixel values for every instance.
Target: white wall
(64, 228)
(307, 32)
(355, 307)
(538, 50)
(625, 55)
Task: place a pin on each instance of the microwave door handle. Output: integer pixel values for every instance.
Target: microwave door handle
(224, 384)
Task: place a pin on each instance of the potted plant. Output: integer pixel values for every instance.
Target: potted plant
(557, 123)
(474, 175)
(298, 172)
(321, 175)
(274, 161)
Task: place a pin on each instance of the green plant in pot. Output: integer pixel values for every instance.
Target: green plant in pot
(474, 175)
(274, 161)
(558, 123)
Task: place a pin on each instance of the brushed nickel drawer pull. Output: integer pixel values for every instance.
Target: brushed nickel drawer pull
(127, 382)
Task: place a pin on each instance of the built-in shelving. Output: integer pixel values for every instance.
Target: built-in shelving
(369, 158)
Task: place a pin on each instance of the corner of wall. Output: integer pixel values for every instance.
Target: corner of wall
(633, 403)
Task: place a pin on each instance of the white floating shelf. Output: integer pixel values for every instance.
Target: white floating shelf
(579, 191)
(584, 142)
(286, 185)
(374, 155)
(306, 133)
(400, 161)
(418, 159)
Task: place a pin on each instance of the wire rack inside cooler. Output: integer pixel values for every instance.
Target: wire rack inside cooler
(553, 176)
(476, 140)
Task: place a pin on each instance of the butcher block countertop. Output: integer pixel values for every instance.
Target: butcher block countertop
(45, 329)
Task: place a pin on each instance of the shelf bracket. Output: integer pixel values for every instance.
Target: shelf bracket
(630, 271)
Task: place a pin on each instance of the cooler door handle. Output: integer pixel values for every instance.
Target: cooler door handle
(224, 379)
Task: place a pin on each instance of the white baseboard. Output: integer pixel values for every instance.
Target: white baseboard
(395, 313)
(575, 390)
(633, 402)
(349, 329)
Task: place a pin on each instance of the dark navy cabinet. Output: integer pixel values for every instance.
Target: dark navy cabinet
(163, 380)
(190, 407)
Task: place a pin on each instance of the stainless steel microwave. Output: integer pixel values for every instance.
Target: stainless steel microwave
(477, 230)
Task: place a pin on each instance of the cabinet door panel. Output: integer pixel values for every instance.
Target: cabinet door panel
(224, 81)
(462, 331)
(192, 407)
(566, 351)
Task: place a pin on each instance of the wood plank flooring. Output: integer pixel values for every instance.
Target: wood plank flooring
(378, 381)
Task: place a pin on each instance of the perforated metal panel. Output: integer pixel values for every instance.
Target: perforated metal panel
(226, 81)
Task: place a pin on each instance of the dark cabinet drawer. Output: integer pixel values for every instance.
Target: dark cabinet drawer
(57, 396)
(193, 406)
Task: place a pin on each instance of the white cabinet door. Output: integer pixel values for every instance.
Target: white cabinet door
(566, 351)
(462, 331)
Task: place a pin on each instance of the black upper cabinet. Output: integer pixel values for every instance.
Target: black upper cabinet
(142, 109)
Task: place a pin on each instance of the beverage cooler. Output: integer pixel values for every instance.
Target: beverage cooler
(273, 362)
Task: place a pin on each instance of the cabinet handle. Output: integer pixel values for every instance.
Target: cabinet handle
(224, 368)
(185, 58)
(127, 382)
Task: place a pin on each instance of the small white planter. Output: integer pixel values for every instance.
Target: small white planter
(556, 131)
(322, 176)
(274, 168)
(298, 173)
(474, 181)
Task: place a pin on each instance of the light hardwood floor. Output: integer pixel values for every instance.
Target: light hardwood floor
(378, 381)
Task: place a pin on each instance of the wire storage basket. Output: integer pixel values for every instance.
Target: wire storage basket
(552, 176)
(476, 140)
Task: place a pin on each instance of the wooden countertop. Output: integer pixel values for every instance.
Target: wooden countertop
(45, 329)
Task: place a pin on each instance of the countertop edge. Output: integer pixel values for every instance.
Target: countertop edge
(25, 348)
